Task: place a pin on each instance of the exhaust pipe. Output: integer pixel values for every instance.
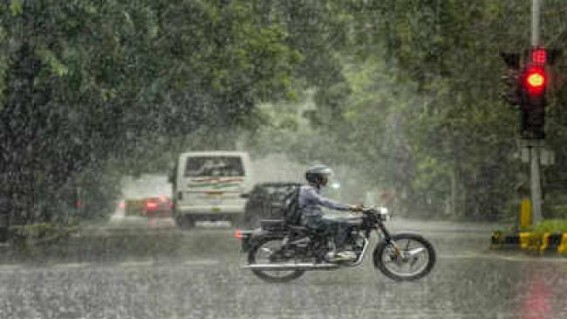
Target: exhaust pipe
(291, 266)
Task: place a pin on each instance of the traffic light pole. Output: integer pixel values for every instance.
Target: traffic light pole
(535, 145)
(535, 177)
(536, 8)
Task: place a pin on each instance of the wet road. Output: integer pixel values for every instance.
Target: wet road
(132, 268)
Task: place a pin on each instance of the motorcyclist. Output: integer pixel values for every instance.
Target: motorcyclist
(310, 202)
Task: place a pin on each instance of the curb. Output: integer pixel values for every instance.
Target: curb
(536, 242)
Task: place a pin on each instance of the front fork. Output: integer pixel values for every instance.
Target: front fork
(388, 239)
(400, 255)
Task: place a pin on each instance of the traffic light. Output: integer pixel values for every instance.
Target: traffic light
(534, 79)
(526, 86)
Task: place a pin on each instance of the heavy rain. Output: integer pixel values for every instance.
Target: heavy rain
(169, 159)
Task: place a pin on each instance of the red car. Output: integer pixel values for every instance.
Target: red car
(157, 207)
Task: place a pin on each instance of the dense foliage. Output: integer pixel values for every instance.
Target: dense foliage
(84, 82)
(404, 93)
(419, 110)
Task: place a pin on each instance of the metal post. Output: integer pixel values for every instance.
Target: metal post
(535, 178)
(535, 183)
(536, 8)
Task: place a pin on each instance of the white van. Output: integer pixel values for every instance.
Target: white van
(208, 185)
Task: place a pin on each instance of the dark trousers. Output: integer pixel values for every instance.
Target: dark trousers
(338, 228)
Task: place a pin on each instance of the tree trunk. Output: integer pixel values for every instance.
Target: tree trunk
(458, 193)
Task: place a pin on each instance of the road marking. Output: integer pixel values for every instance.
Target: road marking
(128, 264)
(531, 258)
(144, 263)
(460, 256)
(204, 262)
(151, 263)
(72, 265)
(10, 268)
(517, 258)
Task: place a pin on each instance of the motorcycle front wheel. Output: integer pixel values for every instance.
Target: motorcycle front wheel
(413, 258)
(263, 253)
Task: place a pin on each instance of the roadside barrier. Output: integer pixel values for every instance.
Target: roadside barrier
(551, 242)
(530, 241)
(500, 240)
(538, 242)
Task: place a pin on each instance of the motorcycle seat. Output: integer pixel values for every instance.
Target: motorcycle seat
(272, 224)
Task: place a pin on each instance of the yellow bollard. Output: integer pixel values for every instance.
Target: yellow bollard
(530, 241)
(525, 240)
(525, 213)
(544, 242)
(562, 249)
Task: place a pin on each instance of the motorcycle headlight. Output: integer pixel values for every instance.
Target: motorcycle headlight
(384, 214)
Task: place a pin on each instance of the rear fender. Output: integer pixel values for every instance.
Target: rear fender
(249, 238)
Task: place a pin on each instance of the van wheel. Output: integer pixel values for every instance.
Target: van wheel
(185, 222)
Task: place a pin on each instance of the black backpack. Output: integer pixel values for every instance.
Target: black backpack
(291, 210)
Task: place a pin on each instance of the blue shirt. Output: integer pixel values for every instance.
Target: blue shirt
(311, 200)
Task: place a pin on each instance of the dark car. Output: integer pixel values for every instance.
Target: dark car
(266, 201)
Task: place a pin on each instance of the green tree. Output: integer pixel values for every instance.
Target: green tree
(86, 82)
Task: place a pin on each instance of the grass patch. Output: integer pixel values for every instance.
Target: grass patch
(551, 226)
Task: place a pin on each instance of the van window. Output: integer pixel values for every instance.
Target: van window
(214, 166)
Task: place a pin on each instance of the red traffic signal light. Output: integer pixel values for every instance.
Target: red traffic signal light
(535, 80)
(539, 56)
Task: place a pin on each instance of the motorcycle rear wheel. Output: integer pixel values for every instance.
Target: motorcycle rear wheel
(260, 254)
(414, 250)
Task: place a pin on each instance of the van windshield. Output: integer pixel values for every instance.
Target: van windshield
(215, 166)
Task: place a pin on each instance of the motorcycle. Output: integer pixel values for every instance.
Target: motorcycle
(277, 252)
